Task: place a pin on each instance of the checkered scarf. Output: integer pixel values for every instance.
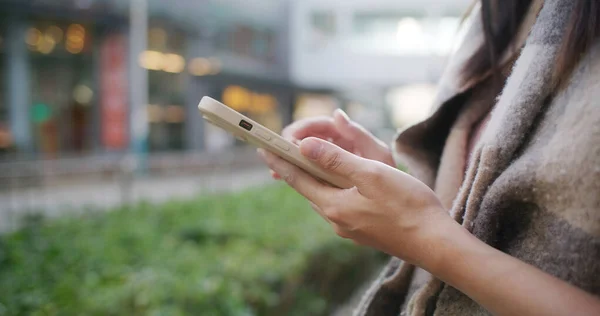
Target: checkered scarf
(521, 100)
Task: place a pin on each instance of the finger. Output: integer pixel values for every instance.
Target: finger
(318, 210)
(309, 187)
(340, 140)
(333, 158)
(342, 232)
(365, 143)
(310, 127)
(347, 144)
(350, 129)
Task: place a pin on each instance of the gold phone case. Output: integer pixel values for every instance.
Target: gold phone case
(248, 130)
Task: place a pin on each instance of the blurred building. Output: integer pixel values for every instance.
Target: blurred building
(50, 67)
(65, 72)
(383, 56)
(66, 67)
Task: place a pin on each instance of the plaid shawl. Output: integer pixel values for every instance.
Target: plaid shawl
(532, 187)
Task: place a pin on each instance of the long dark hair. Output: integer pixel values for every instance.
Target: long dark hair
(501, 20)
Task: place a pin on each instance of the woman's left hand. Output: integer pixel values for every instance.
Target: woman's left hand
(386, 209)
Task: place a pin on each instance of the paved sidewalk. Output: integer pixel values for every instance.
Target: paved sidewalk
(102, 195)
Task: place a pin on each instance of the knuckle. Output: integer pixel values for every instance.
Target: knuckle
(270, 163)
(289, 178)
(341, 232)
(373, 173)
(334, 214)
(332, 161)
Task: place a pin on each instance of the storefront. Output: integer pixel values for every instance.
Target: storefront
(52, 97)
(62, 86)
(167, 84)
(68, 88)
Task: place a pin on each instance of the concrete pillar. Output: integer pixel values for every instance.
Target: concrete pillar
(95, 120)
(194, 124)
(195, 89)
(138, 82)
(17, 84)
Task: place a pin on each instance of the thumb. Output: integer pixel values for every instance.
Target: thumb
(331, 158)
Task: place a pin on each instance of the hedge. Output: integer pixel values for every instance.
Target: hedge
(259, 252)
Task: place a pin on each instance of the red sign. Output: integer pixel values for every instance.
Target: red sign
(113, 92)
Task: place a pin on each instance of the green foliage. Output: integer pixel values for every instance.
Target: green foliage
(260, 252)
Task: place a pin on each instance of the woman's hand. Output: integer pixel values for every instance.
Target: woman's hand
(343, 132)
(387, 209)
(401, 216)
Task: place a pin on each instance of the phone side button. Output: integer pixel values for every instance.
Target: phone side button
(282, 145)
(263, 135)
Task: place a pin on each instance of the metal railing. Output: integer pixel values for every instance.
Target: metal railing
(52, 187)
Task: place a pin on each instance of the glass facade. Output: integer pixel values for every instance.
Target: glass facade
(258, 43)
(403, 34)
(5, 135)
(314, 104)
(260, 106)
(62, 86)
(3, 105)
(76, 96)
(166, 87)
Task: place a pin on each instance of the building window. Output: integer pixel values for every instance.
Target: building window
(311, 105)
(260, 106)
(166, 86)
(48, 38)
(62, 90)
(6, 141)
(410, 104)
(323, 22)
(3, 105)
(322, 29)
(247, 41)
(398, 34)
(165, 111)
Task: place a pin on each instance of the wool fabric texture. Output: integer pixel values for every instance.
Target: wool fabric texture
(532, 184)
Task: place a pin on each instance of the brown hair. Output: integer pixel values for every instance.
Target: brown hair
(501, 19)
(582, 31)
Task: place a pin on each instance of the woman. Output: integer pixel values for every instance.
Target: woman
(502, 212)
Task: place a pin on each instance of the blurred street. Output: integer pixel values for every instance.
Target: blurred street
(103, 195)
(57, 187)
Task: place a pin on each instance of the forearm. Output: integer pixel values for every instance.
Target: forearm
(503, 284)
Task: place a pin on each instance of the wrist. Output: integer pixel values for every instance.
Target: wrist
(454, 252)
(440, 244)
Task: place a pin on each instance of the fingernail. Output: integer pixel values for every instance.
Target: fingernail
(312, 148)
(260, 152)
(344, 115)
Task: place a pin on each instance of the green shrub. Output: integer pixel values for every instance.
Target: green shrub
(260, 252)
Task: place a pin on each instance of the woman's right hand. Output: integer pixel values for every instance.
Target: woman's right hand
(343, 132)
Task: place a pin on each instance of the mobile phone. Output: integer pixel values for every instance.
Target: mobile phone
(250, 131)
